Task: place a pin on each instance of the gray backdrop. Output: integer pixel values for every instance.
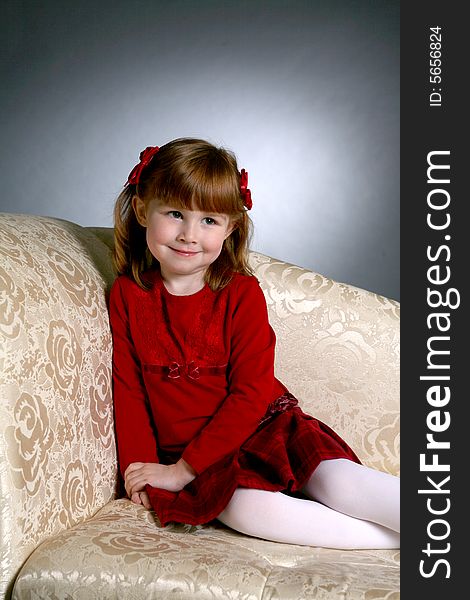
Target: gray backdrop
(306, 93)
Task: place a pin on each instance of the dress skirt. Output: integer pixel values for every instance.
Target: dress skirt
(281, 455)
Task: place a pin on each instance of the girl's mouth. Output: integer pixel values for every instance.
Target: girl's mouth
(184, 252)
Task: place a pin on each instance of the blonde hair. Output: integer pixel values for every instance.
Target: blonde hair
(190, 174)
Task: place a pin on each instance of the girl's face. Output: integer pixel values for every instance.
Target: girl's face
(185, 242)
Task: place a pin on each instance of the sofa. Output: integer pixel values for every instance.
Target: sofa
(67, 532)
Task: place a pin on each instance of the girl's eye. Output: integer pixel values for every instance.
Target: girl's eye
(210, 221)
(175, 214)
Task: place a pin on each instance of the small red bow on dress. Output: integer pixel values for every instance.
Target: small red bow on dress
(145, 158)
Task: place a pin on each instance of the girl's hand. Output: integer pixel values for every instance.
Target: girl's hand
(166, 477)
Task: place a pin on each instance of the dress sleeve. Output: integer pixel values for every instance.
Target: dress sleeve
(251, 381)
(136, 439)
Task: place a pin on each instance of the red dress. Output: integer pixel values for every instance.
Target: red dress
(203, 388)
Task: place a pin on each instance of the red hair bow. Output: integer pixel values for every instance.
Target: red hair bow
(246, 193)
(145, 158)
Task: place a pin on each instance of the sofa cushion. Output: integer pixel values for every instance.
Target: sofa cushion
(122, 552)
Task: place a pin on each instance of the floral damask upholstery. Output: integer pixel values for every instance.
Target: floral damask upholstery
(64, 534)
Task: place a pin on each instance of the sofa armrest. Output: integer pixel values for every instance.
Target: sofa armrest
(57, 448)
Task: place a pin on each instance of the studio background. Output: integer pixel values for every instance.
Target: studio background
(305, 92)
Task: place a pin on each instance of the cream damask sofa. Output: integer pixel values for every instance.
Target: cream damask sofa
(65, 533)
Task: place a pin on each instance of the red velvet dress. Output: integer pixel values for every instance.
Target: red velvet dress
(193, 377)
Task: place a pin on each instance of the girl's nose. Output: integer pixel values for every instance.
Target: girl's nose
(188, 232)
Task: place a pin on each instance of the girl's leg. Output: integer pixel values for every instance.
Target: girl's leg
(277, 517)
(357, 490)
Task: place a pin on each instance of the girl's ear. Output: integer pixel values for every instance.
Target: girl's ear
(231, 228)
(139, 209)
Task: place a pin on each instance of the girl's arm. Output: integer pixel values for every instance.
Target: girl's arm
(252, 385)
(136, 440)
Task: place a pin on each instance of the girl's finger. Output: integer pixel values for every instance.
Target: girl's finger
(137, 484)
(130, 482)
(145, 499)
(136, 498)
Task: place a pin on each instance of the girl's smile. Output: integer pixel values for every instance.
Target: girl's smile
(187, 253)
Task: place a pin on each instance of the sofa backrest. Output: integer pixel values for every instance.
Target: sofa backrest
(57, 450)
(338, 352)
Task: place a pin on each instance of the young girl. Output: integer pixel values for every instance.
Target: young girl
(204, 428)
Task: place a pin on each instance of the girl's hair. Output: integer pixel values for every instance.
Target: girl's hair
(189, 174)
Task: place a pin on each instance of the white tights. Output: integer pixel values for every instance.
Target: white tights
(352, 507)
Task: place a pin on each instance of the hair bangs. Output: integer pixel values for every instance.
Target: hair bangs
(213, 195)
(207, 182)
